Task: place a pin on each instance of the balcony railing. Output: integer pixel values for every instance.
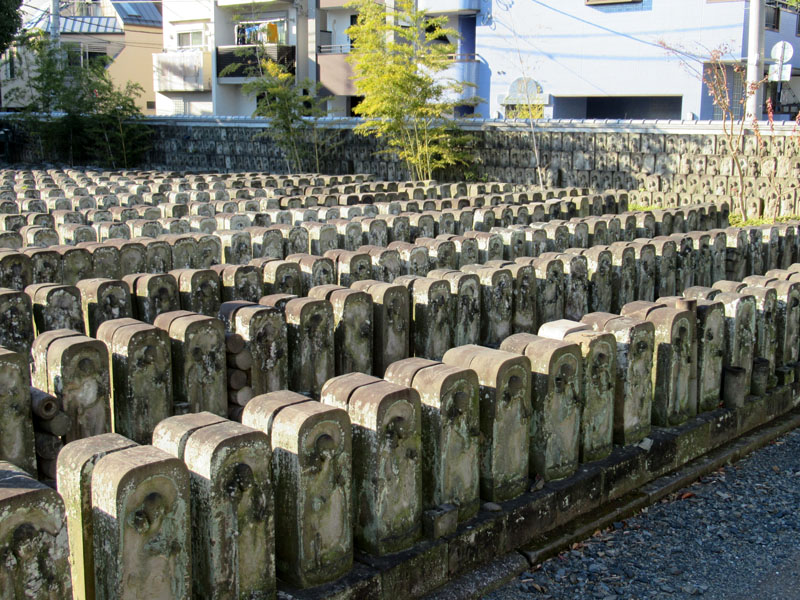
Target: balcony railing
(345, 49)
(335, 73)
(242, 59)
(182, 71)
(450, 6)
(334, 49)
(464, 68)
(329, 4)
(464, 58)
(325, 37)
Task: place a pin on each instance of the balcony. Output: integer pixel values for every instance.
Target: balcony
(329, 4)
(772, 16)
(464, 69)
(182, 71)
(439, 7)
(266, 4)
(334, 71)
(242, 58)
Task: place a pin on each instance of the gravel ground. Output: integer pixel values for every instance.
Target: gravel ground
(733, 535)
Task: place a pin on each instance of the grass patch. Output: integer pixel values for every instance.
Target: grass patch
(643, 207)
(738, 221)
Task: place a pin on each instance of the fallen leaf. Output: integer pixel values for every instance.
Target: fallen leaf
(686, 495)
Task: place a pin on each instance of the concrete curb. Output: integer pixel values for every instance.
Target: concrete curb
(499, 572)
(484, 552)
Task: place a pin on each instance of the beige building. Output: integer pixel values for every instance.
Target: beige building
(128, 32)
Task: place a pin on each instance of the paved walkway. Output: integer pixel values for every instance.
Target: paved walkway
(733, 535)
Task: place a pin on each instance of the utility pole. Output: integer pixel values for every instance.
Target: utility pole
(55, 21)
(755, 59)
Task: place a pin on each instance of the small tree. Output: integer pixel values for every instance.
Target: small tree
(116, 124)
(398, 56)
(292, 109)
(716, 78)
(88, 117)
(285, 105)
(717, 75)
(10, 21)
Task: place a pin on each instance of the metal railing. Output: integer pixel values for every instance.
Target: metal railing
(183, 71)
(333, 49)
(463, 57)
(772, 17)
(242, 58)
(345, 49)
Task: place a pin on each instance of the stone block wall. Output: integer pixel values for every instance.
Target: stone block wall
(661, 157)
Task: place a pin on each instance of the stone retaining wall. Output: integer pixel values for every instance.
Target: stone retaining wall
(663, 157)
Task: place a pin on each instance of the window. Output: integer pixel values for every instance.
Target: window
(151, 105)
(87, 9)
(797, 27)
(271, 31)
(80, 54)
(74, 54)
(352, 102)
(178, 106)
(430, 30)
(353, 23)
(190, 39)
(735, 96)
(11, 63)
(524, 111)
(92, 55)
(773, 16)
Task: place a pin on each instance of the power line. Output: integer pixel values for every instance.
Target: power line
(89, 34)
(613, 31)
(120, 43)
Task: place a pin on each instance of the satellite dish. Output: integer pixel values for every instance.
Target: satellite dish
(782, 52)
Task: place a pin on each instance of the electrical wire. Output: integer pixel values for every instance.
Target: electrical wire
(45, 12)
(92, 36)
(686, 55)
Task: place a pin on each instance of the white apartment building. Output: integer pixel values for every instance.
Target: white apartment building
(581, 58)
(203, 37)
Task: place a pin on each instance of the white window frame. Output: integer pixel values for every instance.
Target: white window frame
(190, 33)
(11, 63)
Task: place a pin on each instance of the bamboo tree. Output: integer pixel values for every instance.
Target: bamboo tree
(292, 107)
(399, 57)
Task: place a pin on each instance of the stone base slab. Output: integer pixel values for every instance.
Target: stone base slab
(504, 538)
